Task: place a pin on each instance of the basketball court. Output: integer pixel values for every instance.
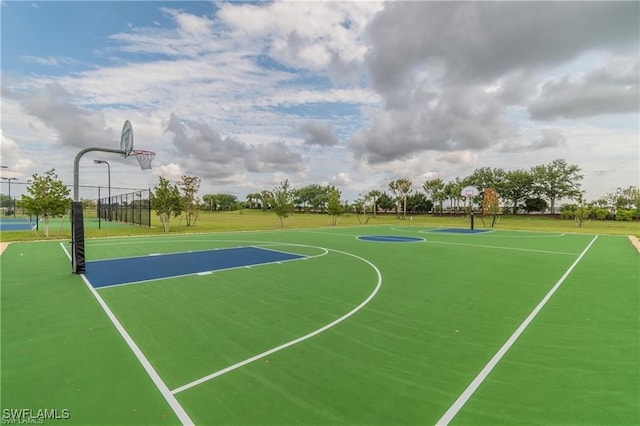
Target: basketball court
(354, 325)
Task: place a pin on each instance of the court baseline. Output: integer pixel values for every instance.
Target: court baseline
(469, 391)
(153, 374)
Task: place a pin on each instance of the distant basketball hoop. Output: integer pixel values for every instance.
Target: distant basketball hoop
(144, 158)
(469, 192)
(126, 146)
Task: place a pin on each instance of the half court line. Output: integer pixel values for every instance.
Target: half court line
(469, 391)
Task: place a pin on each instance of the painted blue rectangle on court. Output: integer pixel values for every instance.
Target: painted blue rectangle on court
(13, 225)
(105, 273)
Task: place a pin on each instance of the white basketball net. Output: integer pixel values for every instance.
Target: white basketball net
(144, 158)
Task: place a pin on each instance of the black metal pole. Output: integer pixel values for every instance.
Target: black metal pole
(109, 183)
(11, 203)
(99, 210)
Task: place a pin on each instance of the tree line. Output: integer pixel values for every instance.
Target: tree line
(537, 189)
(500, 191)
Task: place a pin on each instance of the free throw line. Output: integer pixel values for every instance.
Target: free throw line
(464, 397)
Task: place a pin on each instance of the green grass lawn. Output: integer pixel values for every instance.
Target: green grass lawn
(246, 220)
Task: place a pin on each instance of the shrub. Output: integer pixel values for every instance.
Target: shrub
(624, 215)
(535, 205)
(601, 214)
(568, 211)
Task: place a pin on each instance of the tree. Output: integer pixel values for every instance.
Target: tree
(49, 197)
(334, 207)
(404, 186)
(385, 202)
(374, 194)
(627, 198)
(578, 212)
(189, 186)
(360, 207)
(253, 199)
(491, 204)
(401, 189)
(281, 200)
(221, 201)
(517, 187)
(265, 199)
(209, 200)
(5, 201)
(535, 205)
(88, 204)
(435, 190)
(452, 190)
(556, 180)
(166, 202)
(486, 177)
(419, 203)
(314, 196)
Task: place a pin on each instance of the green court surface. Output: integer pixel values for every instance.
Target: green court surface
(498, 328)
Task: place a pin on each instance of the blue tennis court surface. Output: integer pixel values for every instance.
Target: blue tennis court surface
(461, 230)
(14, 225)
(105, 273)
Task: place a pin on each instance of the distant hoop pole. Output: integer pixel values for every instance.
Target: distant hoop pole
(469, 192)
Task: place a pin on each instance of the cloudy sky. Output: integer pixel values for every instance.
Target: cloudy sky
(353, 94)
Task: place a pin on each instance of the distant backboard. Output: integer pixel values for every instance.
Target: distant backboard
(126, 139)
(469, 191)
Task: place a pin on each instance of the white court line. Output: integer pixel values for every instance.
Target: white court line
(292, 342)
(338, 234)
(494, 233)
(464, 397)
(501, 248)
(162, 387)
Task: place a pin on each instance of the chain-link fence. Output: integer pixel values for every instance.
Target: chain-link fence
(132, 207)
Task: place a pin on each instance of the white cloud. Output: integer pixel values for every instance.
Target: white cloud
(356, 93)
(611, 88)
(171, 171)
(342, 179)
(18, 165)
(459, 157)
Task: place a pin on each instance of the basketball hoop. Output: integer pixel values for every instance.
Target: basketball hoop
(469, 192)
(144, 158)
